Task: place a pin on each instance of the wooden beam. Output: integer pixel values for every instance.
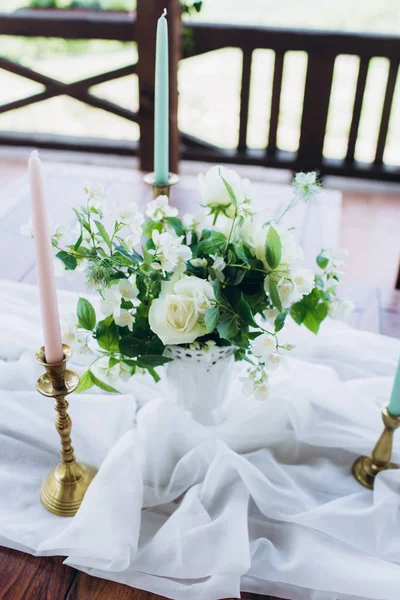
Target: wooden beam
(148, 12)
(315, 110)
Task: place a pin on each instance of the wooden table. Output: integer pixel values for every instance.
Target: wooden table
(23, 577)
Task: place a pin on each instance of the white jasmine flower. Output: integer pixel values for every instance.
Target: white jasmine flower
(95, 190)
(199, 262)
(218, 265)
(303, 280)
(120, 371)
(77, 340)
(194, 223)
(124, 319)
(69, 327)
(156, 266)
(131, 241)
(287, 293)
(28, 230)
(263, 346)
(159, 208)
(270, 315)
(130, 216)
(306, 186)
(127, 288)
(170, 250)
(261, 391)
(341, 309)
(111, 301)
(214, 192)
(274, 361)
(337, 258)
(177, 315)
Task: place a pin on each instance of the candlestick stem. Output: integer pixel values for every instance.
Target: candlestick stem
(63, 489)
(366, 468)
(161, 189)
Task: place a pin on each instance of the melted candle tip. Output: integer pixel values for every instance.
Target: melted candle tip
(164, 13)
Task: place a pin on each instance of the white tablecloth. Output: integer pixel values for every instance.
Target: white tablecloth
(265, 502)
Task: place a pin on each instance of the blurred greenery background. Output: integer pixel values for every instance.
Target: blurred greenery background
(209, 84)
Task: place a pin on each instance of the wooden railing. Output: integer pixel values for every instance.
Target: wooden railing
(322, 49)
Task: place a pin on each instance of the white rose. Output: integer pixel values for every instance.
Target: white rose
(214, 192)
(263, 346)
(177, 316)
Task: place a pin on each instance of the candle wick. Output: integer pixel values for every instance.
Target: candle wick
(164, 13)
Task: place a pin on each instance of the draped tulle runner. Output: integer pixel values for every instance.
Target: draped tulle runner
(264, 502)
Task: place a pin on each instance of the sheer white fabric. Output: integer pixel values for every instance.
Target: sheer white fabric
(264, 502)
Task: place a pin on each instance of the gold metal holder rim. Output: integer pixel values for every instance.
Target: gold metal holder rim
(366, 468)
(150, 179)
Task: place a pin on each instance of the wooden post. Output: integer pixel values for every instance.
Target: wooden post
(148, 12)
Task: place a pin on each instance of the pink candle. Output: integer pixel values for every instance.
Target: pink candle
(44, 264)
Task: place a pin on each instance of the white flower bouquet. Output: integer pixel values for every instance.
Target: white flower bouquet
(219, 278)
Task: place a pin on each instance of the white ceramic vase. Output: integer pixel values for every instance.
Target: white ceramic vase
(199, 381)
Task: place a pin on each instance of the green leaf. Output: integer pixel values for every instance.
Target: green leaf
(69, 260)
(150, 225)
(214, 243)
(240, 251)
(322, 261)
(149, 361)
(176, 225)
(85, 382)
(274, 295)
(311, 322)
(134, 257)
(298, 312)
(82, 221)
(229, 190)
(103, 386)
(244, 311)
(86, 314)
(78, 242)
(273, 248)
(154, 374)
(107, 335)
(228, 326)
(321, 312)
(280, 321)
(102, 231)
(211, 318)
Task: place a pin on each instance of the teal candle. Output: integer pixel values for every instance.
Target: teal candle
(161, 112)
(394, 404)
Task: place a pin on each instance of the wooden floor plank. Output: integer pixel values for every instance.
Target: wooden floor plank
(86, 587)
(25, 577)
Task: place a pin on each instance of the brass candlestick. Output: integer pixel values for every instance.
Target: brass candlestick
(366, 468)
(63, 489)
(161, 189)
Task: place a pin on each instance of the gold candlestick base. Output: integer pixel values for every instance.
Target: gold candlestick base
(161, 189)
(63, 489)
(366, 468)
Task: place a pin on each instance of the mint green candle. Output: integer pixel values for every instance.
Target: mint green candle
(394, 404)
(161, 112)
